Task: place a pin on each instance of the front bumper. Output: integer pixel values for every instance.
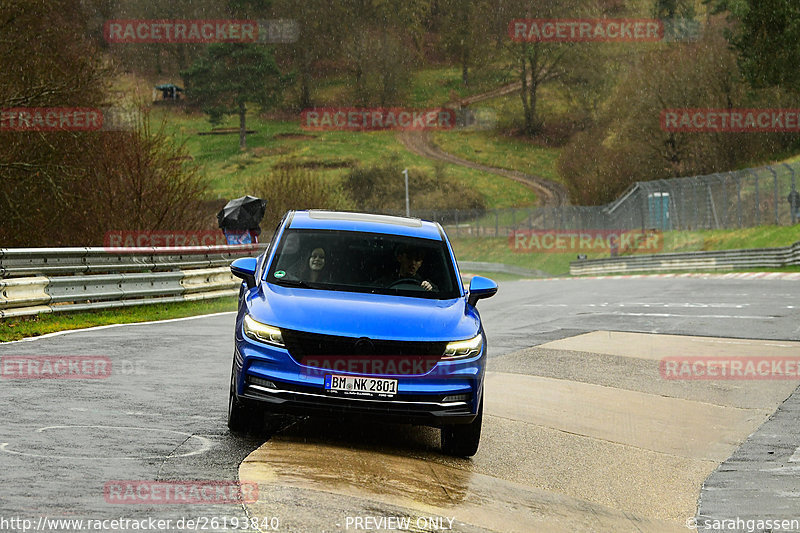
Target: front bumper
(289, 388)
(403, 411)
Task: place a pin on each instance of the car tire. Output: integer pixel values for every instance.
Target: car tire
(462, 440)
(242, 418)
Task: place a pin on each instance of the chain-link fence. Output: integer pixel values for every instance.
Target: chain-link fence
(741, 199)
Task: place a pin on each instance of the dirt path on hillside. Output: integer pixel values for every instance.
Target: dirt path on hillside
(549, 192)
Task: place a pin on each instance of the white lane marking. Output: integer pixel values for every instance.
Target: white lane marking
(750, 343)
(206, 444)
(673, 315)
(752, 276)
(94, 328)
(690, 305)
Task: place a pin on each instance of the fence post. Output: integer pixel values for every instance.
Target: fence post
(793, 202)
(758, 201)
(496, 224)
(712, 205)
(739, 199)
(775, 186)
(725, 200)
(643, 207)
(456, 222)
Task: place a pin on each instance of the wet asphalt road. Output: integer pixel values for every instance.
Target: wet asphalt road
(160, 415)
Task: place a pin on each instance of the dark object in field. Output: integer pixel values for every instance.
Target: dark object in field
(224, 131)
(242, 214)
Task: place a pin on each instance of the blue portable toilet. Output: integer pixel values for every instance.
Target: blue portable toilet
(658, 211)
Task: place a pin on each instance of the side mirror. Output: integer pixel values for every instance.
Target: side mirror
(479, 288)
(245, 268)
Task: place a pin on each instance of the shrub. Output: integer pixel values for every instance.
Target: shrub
(293, 187)
(382, 188)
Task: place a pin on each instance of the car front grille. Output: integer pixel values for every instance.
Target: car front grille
(331, 351)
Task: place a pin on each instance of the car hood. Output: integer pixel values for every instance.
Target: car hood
(376, 316)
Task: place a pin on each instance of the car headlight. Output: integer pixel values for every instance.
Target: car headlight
(262, 332)
(467, 348)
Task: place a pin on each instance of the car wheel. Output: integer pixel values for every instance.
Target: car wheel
(241, 417)
(461, 440)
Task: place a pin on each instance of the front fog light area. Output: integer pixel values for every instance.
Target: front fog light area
(456, 398)
(252, 380)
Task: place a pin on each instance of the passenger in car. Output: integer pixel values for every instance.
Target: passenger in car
(314, 268)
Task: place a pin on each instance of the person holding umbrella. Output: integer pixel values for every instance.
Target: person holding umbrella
(240, 219)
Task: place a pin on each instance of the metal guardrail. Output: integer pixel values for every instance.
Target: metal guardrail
(47, 280)
(478, 266)
(717, 260)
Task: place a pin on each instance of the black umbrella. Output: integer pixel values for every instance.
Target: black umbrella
(243, 213)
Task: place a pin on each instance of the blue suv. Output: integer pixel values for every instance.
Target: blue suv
(360, 314)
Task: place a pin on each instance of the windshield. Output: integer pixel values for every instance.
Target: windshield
(364, 262)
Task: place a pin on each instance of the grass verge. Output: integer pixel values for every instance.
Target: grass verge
(498, 250)
(16, 328)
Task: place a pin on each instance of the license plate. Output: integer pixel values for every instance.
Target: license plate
(361, 386)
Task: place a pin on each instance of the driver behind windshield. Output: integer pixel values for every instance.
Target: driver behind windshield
(409, 261)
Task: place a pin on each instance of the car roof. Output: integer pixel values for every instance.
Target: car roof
(366, 222)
